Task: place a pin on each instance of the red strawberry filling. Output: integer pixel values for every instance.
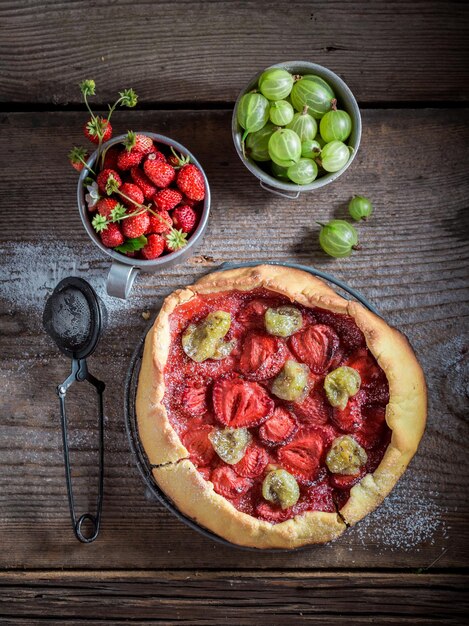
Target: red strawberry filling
(278, 429)
(238, 403)
(235, 392)
(263, 356)
(302, 456)
(317, 346)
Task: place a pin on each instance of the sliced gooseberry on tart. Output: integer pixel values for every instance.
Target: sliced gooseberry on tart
(240, 403)
(204, 340)
(340, 385)
(196, 440)
(278, 429)
(318, 346)
(262, 356)
(303, 455)
(283, 321)
(230, 443)
(253, 463)
(281, 488)
(346, 456)
(292, 383)
(227, 483)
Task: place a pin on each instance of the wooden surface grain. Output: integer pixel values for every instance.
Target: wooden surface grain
(233, 597)
(413, 266)
(206, 51)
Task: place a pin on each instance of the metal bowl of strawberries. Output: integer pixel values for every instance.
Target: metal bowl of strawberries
(144, 200)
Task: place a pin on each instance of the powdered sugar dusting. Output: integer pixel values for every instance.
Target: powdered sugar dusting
(410, 518)
(30, 271)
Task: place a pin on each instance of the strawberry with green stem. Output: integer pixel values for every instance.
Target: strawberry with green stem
(77, 157)
(98, 128)
(175, 239)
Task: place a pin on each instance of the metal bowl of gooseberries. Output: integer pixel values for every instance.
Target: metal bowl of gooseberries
(254, 123)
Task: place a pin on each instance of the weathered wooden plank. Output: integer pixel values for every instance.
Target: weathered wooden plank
(192, 597)
(412, 265)
(207, 51)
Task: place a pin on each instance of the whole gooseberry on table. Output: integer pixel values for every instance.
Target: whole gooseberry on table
(360, 208)
(338, 238)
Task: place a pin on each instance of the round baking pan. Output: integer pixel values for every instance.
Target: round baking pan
(130, 392)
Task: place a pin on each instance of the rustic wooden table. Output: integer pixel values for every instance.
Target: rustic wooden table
(407, 63)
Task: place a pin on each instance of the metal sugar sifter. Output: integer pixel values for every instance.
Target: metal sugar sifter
(74, 319)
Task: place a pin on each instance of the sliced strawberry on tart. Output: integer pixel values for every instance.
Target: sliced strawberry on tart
(273, 411)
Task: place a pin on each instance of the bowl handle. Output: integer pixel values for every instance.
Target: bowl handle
(284, 194)
(120, 279)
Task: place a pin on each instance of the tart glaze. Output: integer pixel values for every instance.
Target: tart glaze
(188, 383)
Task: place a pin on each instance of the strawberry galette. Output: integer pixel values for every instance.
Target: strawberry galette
(275, 412)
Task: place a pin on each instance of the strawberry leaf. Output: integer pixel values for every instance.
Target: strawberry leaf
(132, 245)
(99, 223)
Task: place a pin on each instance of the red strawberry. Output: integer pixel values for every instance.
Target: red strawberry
(272, 513)
(314, 410)
(252, 315)
(366, 366)
(98, 126)
(349, 419)
(346, 481)
(378, 391)
(167, 199)
(319, 497)
(302, 456)
(278, 429)
(191, 182)
(197, 442)
(253, 462)
(238, 403)
(373, 425)
(184, 218)
(154, 247)
(129, 158)
(161, 223)
(103, 177)
(194, 398)
(189, 202)
(77, 156)
(317, 346)
(110, 158)
(174, 160)
(160, 173)
(136, 226)
(344, 325)
(132, 195)
(142, 143)
(112, 236)
(105, 206)
(262, 356)
(159, 156)
(227, 483)
(141, 179)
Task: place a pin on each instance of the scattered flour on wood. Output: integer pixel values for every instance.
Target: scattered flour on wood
(30, 271)
(409, 518)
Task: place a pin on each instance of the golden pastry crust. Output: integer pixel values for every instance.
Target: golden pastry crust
(194, 496)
